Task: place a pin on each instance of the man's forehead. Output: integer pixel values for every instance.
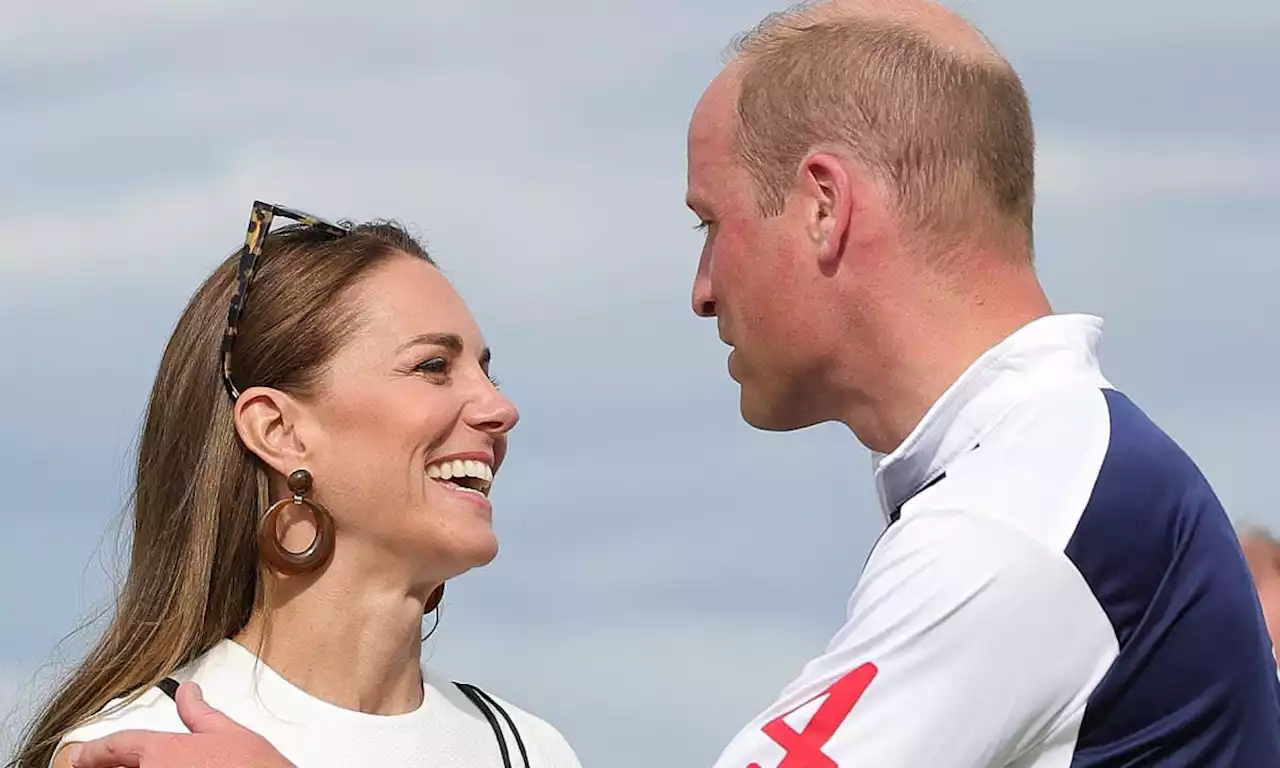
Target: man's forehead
(710, 137)
(714, 113)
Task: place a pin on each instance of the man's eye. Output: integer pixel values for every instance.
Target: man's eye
(702, 226)
(435, 365)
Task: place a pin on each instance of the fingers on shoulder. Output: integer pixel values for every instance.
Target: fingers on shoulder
(123, 749)
(62, 758)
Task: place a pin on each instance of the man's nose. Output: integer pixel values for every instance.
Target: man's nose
(704, 300)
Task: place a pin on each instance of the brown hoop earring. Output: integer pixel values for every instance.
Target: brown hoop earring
(315, 556)
(433, 600)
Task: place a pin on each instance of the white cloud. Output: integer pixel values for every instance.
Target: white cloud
(1097, 171)
(536, 232)
(18, 695)
(1090, 26)
(118, 242)
(584, 40)
(68, 31)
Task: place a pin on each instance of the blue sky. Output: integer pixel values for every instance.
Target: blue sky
(664, 568)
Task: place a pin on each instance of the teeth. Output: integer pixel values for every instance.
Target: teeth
(477, 469)
(447, 470)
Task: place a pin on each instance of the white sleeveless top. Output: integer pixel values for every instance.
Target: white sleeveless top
(447, 731)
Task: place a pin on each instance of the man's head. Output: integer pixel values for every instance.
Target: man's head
(1262, 553)
(845, 159)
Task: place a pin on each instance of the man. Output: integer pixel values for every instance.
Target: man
(1262, 553)
(1057, 583)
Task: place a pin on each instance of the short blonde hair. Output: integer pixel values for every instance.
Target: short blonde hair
(951, 133)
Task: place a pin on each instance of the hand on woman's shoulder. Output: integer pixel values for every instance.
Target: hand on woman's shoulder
(152, 711)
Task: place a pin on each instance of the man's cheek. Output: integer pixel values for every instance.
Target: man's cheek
(1269, 596)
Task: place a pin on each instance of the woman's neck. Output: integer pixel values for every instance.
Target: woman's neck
(356, 649)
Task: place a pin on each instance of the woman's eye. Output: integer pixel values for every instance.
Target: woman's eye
(435, 365)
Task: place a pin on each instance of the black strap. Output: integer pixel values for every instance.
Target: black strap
(524, 755)
(483, 702)
(170, 687)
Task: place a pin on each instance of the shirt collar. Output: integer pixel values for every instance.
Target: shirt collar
(1050, 348)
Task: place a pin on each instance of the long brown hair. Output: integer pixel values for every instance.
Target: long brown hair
(194, 575)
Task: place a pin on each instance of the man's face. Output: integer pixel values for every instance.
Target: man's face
(754, 275)
(1264, 563)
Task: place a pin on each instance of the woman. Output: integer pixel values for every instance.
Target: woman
(315, 464)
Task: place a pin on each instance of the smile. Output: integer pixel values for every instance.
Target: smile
(463, 474)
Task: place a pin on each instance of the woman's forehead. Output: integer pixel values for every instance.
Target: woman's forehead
(404, 299)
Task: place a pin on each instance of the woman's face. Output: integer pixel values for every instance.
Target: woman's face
(407, 429)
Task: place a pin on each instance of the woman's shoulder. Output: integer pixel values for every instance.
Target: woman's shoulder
(541, 737)
(152, 711)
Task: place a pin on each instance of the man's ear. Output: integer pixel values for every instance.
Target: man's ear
(843, 199)
(267, 420)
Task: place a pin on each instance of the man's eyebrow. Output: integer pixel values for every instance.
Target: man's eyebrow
(450, 341)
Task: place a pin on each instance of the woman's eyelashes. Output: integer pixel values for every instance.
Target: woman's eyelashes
(438, 369)
(435, 367)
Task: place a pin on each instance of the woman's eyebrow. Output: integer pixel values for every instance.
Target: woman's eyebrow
(450, 341)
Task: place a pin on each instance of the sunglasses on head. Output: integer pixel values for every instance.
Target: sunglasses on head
(260, 219)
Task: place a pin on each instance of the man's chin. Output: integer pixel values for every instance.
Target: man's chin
(774, 414)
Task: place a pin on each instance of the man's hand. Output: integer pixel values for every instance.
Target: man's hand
(215, 741)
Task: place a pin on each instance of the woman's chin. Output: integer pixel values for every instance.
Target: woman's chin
(461, 554)
(484, 551)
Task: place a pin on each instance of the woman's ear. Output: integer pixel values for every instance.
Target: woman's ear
(267, 421)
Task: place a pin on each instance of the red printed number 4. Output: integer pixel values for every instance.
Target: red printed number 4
(804, 748)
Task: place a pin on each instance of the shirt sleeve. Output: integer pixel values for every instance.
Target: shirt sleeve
(967, 643)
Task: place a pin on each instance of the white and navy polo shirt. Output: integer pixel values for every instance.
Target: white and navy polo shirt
(1058, 586)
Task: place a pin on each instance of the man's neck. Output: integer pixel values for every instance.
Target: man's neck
(356, 648)
(931, 343)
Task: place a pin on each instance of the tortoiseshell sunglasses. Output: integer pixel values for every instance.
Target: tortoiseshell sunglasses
(259, 226)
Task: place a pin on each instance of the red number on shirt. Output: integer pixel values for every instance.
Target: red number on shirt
(804, 748)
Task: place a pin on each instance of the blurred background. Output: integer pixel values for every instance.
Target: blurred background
(664, 569)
